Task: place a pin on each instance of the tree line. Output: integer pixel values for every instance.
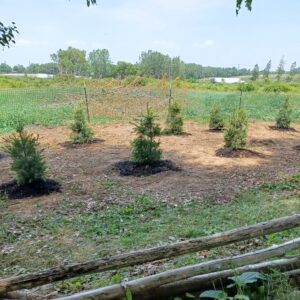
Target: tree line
(280, 72)
(98, 64)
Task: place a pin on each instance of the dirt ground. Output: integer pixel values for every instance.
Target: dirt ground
(86, 171)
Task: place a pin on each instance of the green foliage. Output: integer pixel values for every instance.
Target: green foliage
(27, 160)
(236, 134)
(145, 149)
(280, 69)
(174, 119)
(216, 121)
(248, 4)
(267, 69)
(81, 133)
(241, 285)
(255, 73)
(7, 34)
(284, 119)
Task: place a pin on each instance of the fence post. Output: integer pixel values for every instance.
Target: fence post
(87, 105)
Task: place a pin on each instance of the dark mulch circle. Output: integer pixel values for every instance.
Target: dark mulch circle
(297, 147)
(262, 142)
(130, 168)
(70, 145)
(241, 152)
(283, 129)
(2, 155)
(216, 130)
(36, 189)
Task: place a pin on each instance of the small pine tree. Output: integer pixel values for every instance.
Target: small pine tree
(236, 134)
(27, 160)
(145, 149)
(255, 73)
(81, 133)
(216, 121)
(284, 119)
(174, 119)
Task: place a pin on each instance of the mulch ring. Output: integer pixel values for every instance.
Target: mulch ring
(130, 168)
(238, 153)
(283, 129)
(35, 189)
(70, 145)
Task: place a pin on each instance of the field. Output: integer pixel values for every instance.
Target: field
(50, 106)
(101, 213)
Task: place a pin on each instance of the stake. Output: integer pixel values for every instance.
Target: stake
(87, 105)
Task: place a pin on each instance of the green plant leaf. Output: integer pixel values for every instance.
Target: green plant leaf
(188, 295)
(248, 277)
(128, 294)
(241, 297)
(218, 295)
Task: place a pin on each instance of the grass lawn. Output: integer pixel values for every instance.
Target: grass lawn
(70, 232)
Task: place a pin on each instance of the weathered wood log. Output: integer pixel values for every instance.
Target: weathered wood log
(143, 256)
(146, 284)
(205, 281)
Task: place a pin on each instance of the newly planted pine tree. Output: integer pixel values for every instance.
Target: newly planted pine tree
(81, 133)
(284, 118)
(236, 134)
(145, 148)
(27, 160)
(174, 119)
(216, 120)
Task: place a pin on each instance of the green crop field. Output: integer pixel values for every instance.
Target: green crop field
(50, 106)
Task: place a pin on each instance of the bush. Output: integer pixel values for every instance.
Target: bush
(145, 149)
(81, 133)
(216, 121)
(174, 119)
(27, 159)
(284, 119)
(236, 133)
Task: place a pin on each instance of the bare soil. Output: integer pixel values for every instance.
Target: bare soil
(86, 171)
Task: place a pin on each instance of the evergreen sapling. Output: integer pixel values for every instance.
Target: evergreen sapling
(236, 134)
(216, 121)
(284, 119)
(145, 149)
(81, 133)
(27, 160)
(174, 119)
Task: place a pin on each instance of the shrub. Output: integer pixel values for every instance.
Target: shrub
(216, 121)
(174, 119)
(236, 133)
(284, 119)
(145, 149)
(81, 133)
(27, 159)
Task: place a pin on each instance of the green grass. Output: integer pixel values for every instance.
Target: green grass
(49, 106)
(259, 106)
(67, 232)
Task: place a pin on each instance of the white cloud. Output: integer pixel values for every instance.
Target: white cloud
(23, 42)
(207, 43)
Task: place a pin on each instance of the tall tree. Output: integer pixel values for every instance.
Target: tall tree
(280, 69)
(154, 64)
(293, 71)
(267, 70)
(5, 68)
(255, 73)
(71, 61)
(100, 62)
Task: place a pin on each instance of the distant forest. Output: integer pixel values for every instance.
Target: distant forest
(98, 64)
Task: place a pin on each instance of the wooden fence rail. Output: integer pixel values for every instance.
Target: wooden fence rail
(62, 272)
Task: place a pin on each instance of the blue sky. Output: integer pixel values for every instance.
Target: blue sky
(201, 31)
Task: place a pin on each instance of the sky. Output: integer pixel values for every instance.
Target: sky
(206, 32)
